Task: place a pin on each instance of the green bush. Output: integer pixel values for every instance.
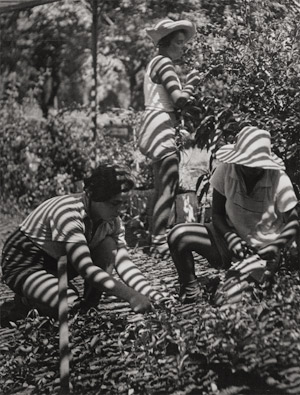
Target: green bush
(42, 158)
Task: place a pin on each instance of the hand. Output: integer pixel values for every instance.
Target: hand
(140, 303)
(236, 245)
(193, 77)
(269, 252)
(184, 135)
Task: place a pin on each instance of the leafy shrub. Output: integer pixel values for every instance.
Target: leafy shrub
(42, 158)
(249, 62)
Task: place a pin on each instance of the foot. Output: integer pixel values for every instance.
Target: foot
(160, 251)
(91, 297)
(14, 311)
(189, 292)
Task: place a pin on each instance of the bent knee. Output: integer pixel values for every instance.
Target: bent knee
(176, 235)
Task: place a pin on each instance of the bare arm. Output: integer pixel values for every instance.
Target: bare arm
(219, 213)
(287, 234)
(235, 244)
(79, 255)
(132, 276)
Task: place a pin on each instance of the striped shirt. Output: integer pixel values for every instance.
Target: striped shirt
(64, 219)
(156, 95)
(257, 217)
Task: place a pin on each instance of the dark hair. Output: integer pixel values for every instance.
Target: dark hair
(166, 40)
(107, 181)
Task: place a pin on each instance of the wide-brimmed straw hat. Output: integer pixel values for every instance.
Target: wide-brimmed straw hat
(167, 26)
(252, 149)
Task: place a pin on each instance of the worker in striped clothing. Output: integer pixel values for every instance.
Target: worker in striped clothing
(254, 212)
(163, 95)
(87, 228)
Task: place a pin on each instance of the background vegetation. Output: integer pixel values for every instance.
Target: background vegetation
(247, 53)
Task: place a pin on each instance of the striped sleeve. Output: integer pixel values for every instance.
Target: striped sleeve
(285, 195)
(57, 219)
(167, 75)
(67, 225)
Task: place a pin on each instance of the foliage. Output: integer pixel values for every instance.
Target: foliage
(253, 348)
(40, 51)
(249, 62)
(42, 158)
(247, 53)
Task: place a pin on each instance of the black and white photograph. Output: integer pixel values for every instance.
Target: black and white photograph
(149, 197)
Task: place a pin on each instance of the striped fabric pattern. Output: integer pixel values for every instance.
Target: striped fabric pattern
(57, 219)
(157, 135)
(156, 138)
(63, 219)
(167, 26)
(256, 217)
(156, 97)
(252, 149)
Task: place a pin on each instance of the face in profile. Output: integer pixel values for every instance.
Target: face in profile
(176, 46)
(107, 210)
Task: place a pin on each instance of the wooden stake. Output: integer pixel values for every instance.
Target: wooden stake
(63, 326)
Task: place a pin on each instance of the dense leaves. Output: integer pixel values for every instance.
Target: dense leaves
(248, 54)
(249, 61)
(41, 158)
(178, 349)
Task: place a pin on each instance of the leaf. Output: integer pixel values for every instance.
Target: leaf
(94, 341)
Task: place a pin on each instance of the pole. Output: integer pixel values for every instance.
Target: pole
(94, 57)
(63, 326)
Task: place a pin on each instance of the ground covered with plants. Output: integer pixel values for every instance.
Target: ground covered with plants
(248, 56)
(252, 348)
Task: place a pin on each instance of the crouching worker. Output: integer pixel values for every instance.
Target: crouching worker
(253, 211)
(85, 227)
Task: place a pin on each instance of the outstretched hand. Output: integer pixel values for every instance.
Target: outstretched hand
(140, 303)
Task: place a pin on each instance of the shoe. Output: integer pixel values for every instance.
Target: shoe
(15, 310)
(189, 292)
(159, 248)
(160, 251)
(91, 297)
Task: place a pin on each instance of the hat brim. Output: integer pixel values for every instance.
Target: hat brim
(228, 154)
(157, 33)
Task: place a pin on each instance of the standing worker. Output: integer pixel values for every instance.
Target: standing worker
(163, 94)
